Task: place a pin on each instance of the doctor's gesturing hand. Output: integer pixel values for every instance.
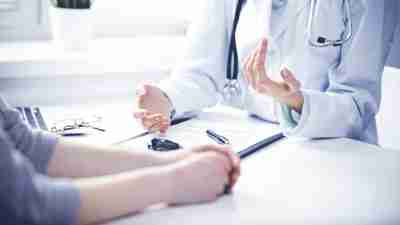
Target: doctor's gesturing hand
(286, 92)
(153, 108)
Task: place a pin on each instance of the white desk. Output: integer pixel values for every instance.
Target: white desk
(300, 182)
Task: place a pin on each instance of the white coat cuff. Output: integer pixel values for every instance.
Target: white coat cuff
(169, 87)
(303, 120)
(261, 105)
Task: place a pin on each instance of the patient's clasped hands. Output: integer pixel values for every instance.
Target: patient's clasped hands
(203, 175)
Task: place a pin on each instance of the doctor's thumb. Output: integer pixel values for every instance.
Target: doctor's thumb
(144, 88)
(289, 78)
(264, 43)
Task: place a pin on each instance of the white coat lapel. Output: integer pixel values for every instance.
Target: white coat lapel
(285, 12)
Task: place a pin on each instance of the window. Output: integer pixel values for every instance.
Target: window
(8, 5)
(126, 28)
(29, 19)
(22, 19)
(139, 17)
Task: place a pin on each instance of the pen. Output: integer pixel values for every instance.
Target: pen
(217, 138)
(260, 145)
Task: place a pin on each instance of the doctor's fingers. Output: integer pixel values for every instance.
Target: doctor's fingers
(260, 60)
(290, 80)
(161, 127)
(140, 113)
(140, 101)
(261, 55)
(249, 68)
(247, 75)
(259, 67)
(142, 91)
(154, 121)
(273, 88)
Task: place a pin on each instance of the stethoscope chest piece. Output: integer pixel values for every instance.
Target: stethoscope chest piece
(232, 93)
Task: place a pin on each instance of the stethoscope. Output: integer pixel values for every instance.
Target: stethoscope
(322, 41)
(232, 90)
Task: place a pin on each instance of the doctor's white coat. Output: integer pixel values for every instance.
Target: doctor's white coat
(341, 85)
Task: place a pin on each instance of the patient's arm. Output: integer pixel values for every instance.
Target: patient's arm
(109, 197)
(202, 177)
(76, 160)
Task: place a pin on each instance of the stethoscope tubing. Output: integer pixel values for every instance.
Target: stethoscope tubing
(347, 20)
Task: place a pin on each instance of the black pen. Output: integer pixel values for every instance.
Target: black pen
(217, 138)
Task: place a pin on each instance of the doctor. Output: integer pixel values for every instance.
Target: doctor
(318, 72)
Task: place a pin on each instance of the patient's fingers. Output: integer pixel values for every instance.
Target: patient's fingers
(233, 158)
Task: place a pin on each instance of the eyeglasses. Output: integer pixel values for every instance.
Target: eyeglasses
(67, 125)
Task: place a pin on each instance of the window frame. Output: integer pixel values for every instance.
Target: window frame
(33, 14)
(38, 24)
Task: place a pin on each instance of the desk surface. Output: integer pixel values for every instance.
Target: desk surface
(301, 182)
(338, 181)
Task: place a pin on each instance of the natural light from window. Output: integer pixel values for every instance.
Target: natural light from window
(136, 17)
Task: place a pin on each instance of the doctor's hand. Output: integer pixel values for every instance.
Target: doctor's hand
(153, 108)
(286, 92)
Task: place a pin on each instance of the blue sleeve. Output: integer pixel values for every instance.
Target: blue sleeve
(27, 197)
(35, 145)
(288, 122)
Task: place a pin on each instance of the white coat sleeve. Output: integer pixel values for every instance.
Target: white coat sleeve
(350, 104)
(196, 82)
(260, 105)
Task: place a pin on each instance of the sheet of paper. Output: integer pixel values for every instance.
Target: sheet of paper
(116, 119)
(236, 125)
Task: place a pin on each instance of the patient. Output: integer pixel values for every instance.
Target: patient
(98, 184)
